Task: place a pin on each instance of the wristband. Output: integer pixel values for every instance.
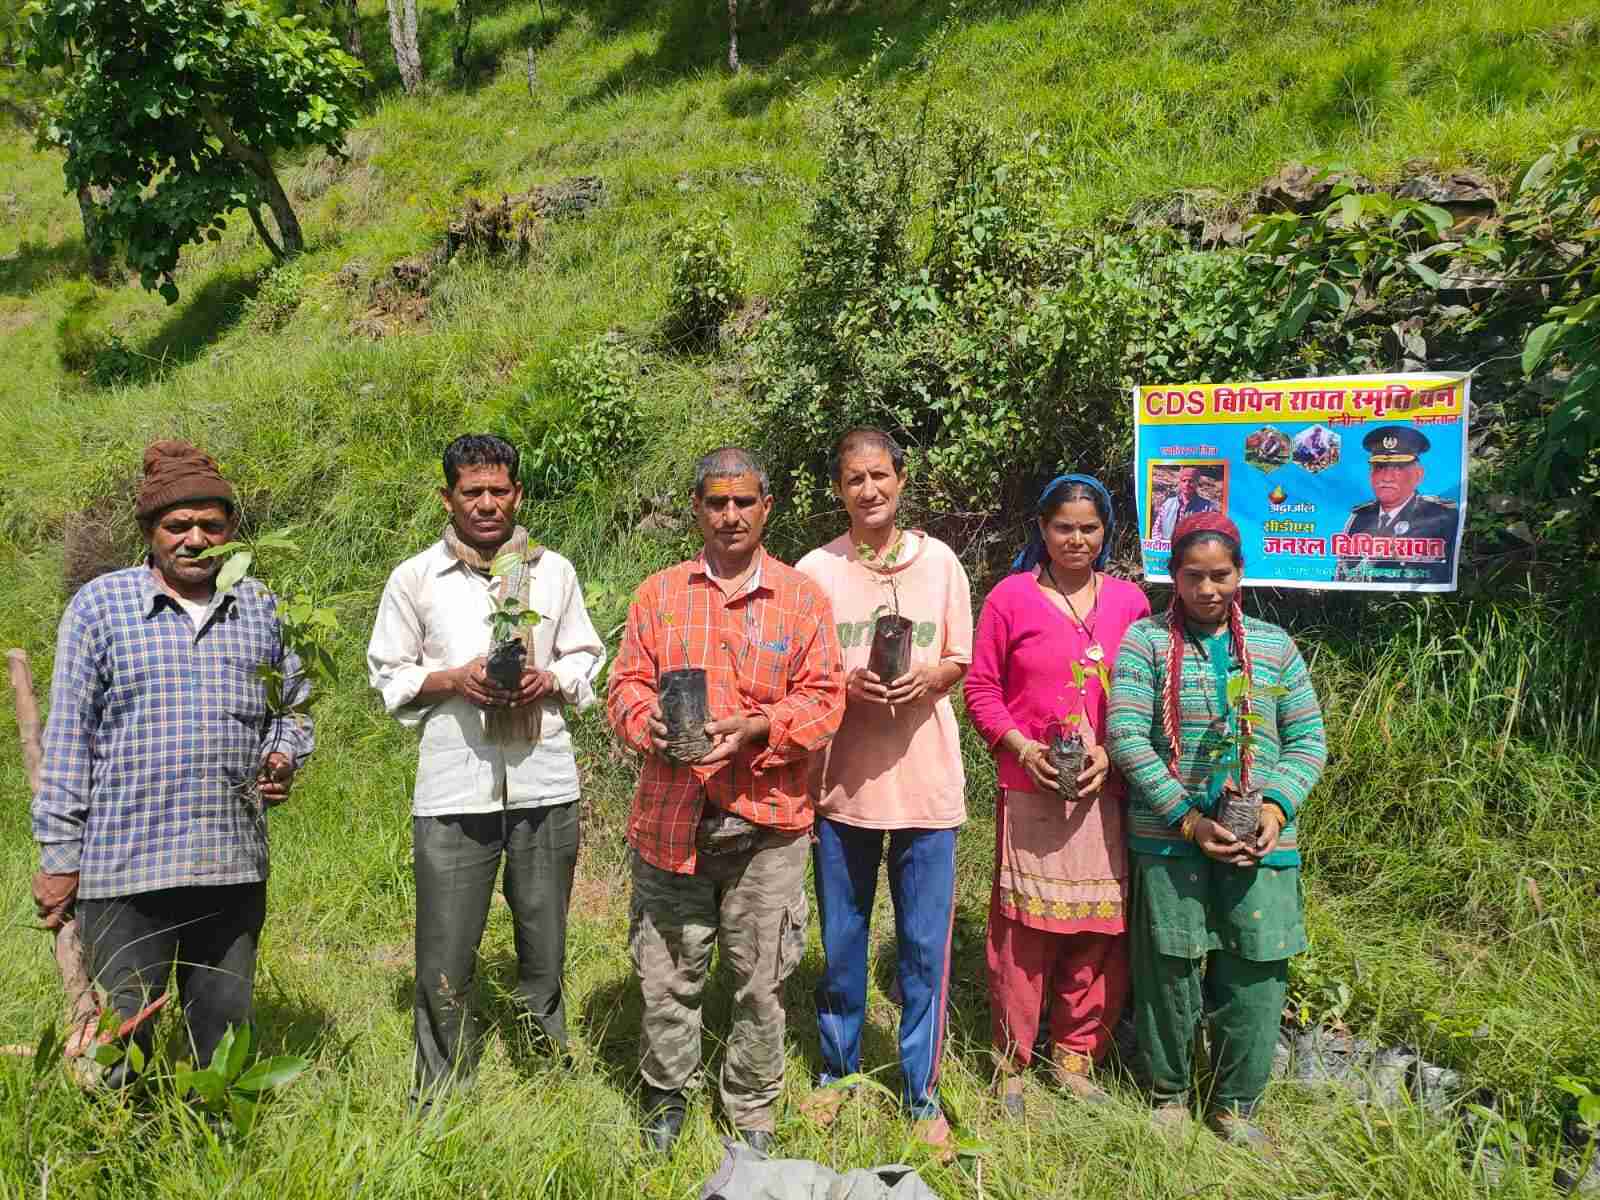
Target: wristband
(1187, 825)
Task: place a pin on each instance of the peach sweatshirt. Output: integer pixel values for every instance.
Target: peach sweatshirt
(899, 771)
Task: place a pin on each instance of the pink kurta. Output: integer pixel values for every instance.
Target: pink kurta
(1060, 866)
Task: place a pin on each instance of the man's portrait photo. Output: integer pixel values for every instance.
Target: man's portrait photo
(1399, 510)
(1178, 489)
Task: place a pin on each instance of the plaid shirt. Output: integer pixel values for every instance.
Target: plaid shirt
(155, 731)
(768, 650)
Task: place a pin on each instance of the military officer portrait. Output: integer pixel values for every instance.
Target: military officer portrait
(1397, 509)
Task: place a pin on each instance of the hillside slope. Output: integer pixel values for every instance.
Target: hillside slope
(1451, 882)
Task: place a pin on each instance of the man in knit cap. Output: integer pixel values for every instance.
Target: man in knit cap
(161, 758)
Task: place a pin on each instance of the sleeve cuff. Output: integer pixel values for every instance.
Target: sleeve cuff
(1277, 797)
(773, 753)
(1175, 815)
(400, 689)
(60, 858)
(572, 677)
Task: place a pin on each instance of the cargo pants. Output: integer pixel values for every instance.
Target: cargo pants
(750, 905)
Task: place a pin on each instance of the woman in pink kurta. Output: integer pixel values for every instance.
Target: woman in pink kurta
(1056, 915)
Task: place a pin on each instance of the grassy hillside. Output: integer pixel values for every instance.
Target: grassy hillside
(1452, 890)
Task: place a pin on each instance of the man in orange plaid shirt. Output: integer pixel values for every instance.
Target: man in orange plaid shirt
(720, 843)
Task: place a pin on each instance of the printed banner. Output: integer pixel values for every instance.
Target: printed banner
(1353, 481)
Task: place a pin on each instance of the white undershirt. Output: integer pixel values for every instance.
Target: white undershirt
(195, 608)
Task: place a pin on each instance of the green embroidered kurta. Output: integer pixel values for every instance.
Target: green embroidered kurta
(1290, 743)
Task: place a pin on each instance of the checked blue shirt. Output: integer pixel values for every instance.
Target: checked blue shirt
(156, 729)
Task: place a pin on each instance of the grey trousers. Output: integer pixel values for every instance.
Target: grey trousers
(751, 905)
(456, 859)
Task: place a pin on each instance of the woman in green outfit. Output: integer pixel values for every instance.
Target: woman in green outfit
(1215, 918)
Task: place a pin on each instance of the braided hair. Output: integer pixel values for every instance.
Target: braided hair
(1190, 532)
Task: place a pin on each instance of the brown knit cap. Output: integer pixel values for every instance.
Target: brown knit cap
(177, 473)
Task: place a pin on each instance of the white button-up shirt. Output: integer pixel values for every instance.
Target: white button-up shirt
(434, 615)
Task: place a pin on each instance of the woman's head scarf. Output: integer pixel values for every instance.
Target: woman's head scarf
(1033, 553)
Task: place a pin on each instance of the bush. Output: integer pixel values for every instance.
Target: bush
(708, 281)
(282, 288)
(599, 423)
(77, 342)
(103, 357)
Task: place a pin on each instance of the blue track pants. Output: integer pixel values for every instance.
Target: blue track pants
(922, 880)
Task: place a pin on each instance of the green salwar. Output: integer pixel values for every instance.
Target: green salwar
(1211, 941)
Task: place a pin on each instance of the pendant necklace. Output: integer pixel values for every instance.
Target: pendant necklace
(1095, 651)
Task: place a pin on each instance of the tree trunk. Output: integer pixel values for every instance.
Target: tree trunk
(99, 264)
(463, 22)
(260, 166)
(733, 36)
(264, 233)
(403, 36)
(352, 31)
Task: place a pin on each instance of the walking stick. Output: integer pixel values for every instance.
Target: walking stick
(83, 1007)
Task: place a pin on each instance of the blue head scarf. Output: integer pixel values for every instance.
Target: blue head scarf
(1032, 554)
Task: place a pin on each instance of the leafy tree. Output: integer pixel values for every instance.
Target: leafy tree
(172, 108)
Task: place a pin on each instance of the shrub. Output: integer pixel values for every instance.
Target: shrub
(84, 349)
(708, 280)
(77, 342)
(282, 288)
(599, 424)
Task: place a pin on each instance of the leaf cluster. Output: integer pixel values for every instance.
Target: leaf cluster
(1373, 277)
(1233, 742)
(880, 564)
(307, 628)
(600, 422)
(231, 1085)
(936, 294)
(510, 616)
(709, 278)
(1081, 675)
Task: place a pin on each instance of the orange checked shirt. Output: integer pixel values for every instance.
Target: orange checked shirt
(768, 649)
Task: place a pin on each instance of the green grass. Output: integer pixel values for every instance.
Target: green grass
(1451, 882)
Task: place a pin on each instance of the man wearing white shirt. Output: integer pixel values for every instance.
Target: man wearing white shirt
(496, 777)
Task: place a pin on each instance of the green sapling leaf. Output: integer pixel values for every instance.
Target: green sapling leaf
(234, 570)
(243, 1112)
(47, 1050)
(271, 1073)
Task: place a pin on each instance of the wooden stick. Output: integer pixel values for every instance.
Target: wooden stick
(27, 714)
(83, 1007)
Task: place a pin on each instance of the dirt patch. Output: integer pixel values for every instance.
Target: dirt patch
(322, 173)
(13, 319)
(596, 897)
(511, 227)
(743, 323)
